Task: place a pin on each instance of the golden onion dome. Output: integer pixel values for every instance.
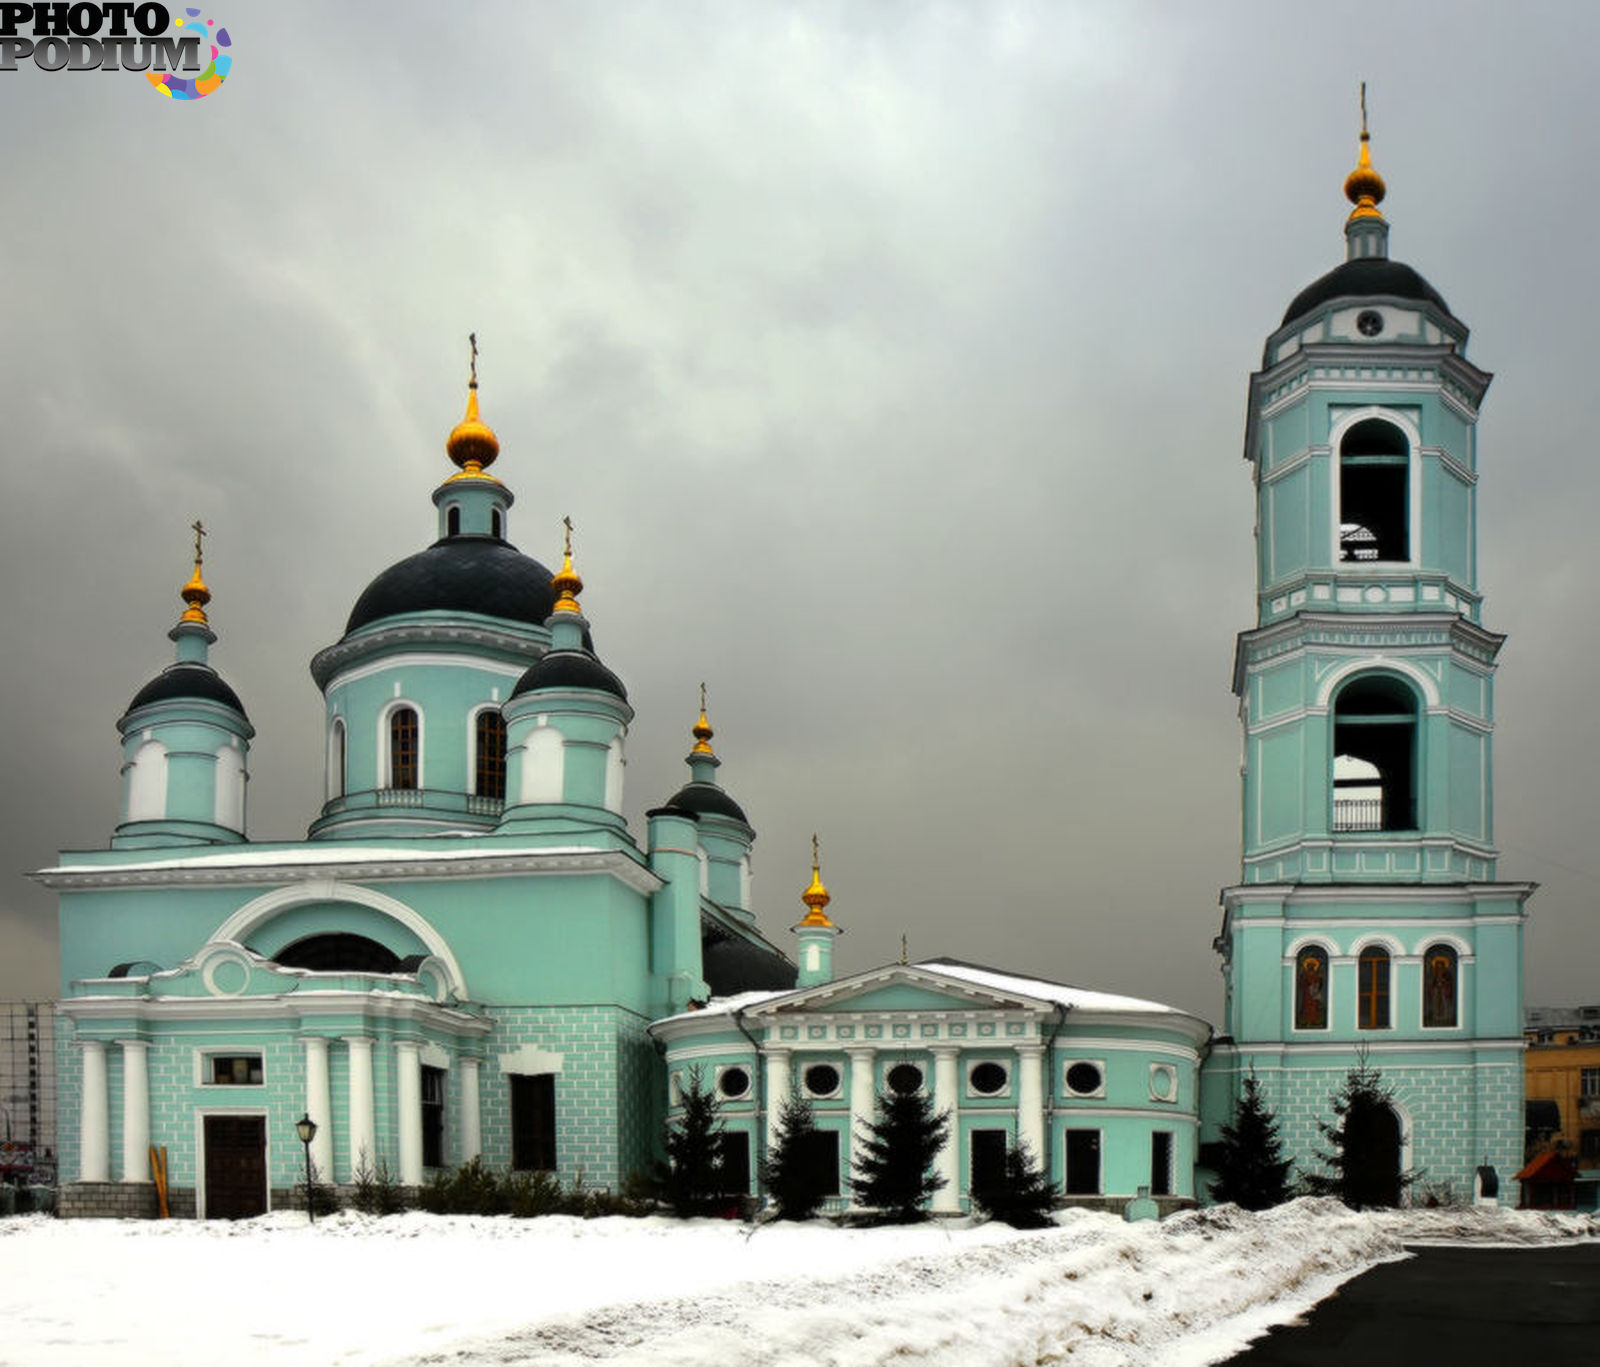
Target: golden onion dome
(565, 581)
(816, 896)
(1364, 187)
(195, 593)
(472, 444)
(702, 729)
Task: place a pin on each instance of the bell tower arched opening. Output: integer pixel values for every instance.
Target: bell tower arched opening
(1375, 755)
(1374, 493)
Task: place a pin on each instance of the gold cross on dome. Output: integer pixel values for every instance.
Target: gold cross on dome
(472, 339)
(199, 531)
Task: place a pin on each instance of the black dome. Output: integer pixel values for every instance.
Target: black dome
(481, 574)
(733, 965)
(700, 798)
(187, 681)
(1366, 275)
(570, 669)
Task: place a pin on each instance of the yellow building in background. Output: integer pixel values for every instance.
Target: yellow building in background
(1563, 1080)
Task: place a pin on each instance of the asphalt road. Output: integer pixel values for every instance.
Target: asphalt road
(1461, 1306)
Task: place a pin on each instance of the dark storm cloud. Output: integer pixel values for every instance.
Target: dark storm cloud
(891, 361)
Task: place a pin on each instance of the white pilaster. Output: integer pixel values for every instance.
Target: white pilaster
(363, 1121)
(408, 1102)
(863, 1102)
(947, 1097)
(471, 1121)
(777, 1092)
(94, 1133)
(135, 1110)
(319, 1106)
(1030, 1100)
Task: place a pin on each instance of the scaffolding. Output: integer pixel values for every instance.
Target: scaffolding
(27, 1093)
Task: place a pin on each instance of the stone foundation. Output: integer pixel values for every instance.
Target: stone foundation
(106, 1201)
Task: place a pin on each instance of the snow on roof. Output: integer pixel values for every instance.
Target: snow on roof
(332, 853)
(1010, 984)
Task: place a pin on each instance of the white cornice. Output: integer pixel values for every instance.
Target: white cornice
(297, 1008)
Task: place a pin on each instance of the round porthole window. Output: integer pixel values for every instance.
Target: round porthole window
(1369, 322)
(987, 1079)
(734, 1082)
(822, 1079)
(1084, 1079)
(905, 1078)
(1163, 1082)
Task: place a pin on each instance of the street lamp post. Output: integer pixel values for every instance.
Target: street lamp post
(306, 1128)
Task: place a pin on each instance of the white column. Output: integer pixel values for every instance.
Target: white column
(947, 1097)
(135, 1111)
(1030, 1100)
(363, 1122)
(777, 1092)
(94, 1126)
(863, 1102)
(471, 1122)
(319, 1106)
(408, 1102)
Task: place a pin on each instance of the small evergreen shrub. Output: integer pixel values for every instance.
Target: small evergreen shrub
(1023, 1197)
(692, 1179)
(894, 1172)
(792, 1174)
(374, 1191)
(1251, 1169)
(1363, 1142)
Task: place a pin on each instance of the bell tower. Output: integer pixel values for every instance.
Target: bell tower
(1369, 919)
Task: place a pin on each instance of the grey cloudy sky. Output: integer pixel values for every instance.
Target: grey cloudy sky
(891, 360)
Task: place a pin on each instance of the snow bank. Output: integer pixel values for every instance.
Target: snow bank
(356, 1292)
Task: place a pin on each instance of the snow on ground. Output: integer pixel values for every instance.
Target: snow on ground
(353, 1291)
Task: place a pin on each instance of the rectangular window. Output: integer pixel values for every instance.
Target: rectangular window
(433, 1117)
(1591, 1082)
(735, 1163)
(1589, 1149)
(232, 1070)
(1083, 1162)
(1161, 1163)
(988, 1159)
(533, 1122)
(1372, 1006)
(822, 1157)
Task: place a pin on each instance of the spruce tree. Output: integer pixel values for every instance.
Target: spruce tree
(894, 1172)
(1251, 1169)
(1023, 1197)
(692, 1179)
(1364, 1140)
(792, 1175)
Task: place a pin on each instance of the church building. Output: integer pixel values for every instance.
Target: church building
(472, 955)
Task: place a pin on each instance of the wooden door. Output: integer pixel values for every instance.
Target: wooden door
(236, 1166)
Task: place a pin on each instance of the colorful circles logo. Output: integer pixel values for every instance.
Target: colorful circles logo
(182, 88)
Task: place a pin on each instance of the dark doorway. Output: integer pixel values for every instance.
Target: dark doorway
(735, 1163)
(1083, 1162)
(1372, 1156)
(533, 1122)
(236, 1166)
(822, 1160)
(988, 1160)
(1161, 1163)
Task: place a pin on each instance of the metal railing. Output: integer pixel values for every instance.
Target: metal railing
(1358, 814)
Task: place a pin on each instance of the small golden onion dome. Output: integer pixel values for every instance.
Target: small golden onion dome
(816, 897)
(472, 444)
(702, 729)
(565, 581)
(1364, 187)
(196, 595)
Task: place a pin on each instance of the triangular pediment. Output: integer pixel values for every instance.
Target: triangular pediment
(898, 987)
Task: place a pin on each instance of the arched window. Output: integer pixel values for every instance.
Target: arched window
(1374, 493)
(336, 759)
(1374, 749)
(1372, 1001)
(147, 782)
(1439, 970)
(496, 523)
(1311, 989)
(490, 778)
(452, 520)
(339, 953)
(403, 748)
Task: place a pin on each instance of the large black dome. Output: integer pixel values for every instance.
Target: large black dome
(1363, 277)
(701, 798)
(570, 669)
(481, 574)
(187, 681)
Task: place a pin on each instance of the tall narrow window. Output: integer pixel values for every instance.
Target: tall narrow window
(988, 1156)
(734, 1170)
(1439, 965)
(432, 1117)
(1372, 1003)
(1375, 762)
(403, 748)
(1311, 989)
(496, 524)
(533, 1122)
(1083, 1162)
(452, 520)
(1374, 501)
(336, 760)
(1161, 1163)
(490, 780)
